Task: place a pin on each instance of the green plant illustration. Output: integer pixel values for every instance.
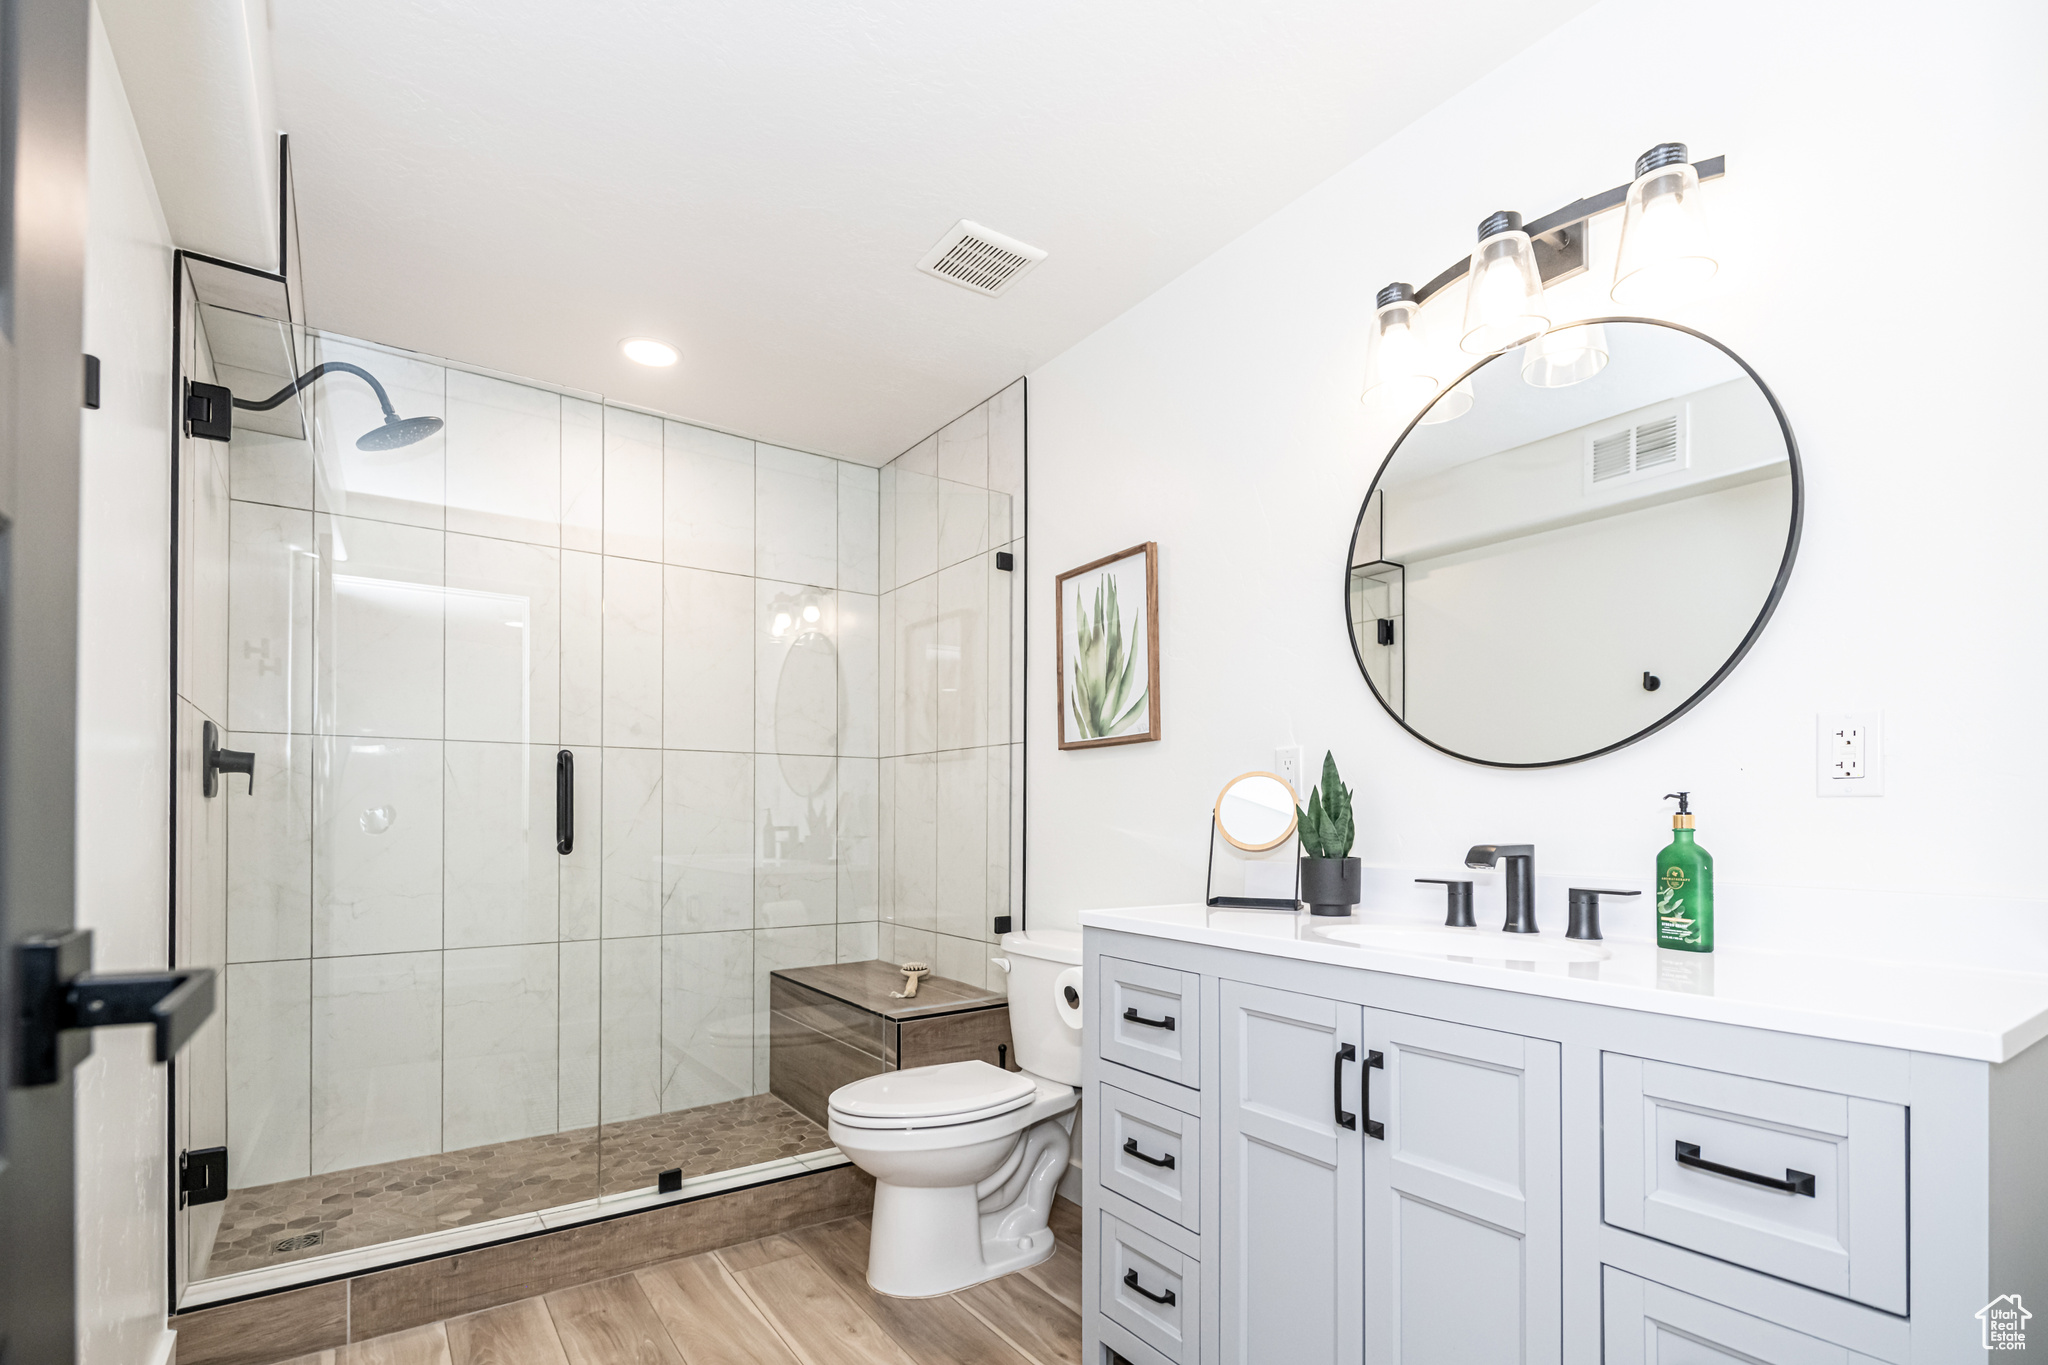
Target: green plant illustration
(1101, 697)
(1325, 822)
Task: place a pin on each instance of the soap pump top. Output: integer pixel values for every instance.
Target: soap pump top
(1682, 820)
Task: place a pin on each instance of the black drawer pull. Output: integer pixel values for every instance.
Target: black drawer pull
(1132, 1016)
(1131, 1149)
(1131, 1283)
(1795, 1182)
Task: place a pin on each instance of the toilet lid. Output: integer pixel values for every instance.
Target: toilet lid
(951, 1090)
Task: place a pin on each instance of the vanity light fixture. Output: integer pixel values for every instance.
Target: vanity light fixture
(1504, 294)
(1395, 372)
(1456, 402)
(648, 351)
(1665, 254)
(1565, 356)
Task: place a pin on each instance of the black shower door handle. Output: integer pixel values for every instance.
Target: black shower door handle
(565, 802)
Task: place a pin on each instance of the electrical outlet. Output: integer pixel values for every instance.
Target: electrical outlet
(1287, 763)
(1849, 759)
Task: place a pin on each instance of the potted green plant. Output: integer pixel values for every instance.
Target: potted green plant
(1331, 882)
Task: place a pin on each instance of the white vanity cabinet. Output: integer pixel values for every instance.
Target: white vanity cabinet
(1368, 1159)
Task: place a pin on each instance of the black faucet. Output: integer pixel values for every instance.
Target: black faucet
(1521, 864)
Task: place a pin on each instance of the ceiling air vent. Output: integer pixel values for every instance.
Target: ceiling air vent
(1655, 445)
(974, 258)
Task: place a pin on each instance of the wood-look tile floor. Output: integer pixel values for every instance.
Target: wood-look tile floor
(798, 1298)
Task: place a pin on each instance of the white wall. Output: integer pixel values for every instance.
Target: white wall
(123, 745)
(1871, 162)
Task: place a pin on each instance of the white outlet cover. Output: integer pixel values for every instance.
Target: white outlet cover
(1826, 725)
(1287, 763)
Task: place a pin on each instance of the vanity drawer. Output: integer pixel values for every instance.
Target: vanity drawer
(1150, 1019)
(1647, 1323)
(1812, 1187)
(1149, 1289)
(1152, 1155)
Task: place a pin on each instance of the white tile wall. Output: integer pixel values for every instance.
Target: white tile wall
(270, 841)
(774, 949)
(268, 1007)
(629, 1080)
(504, 445)
(916, 853)
(859, 888)
(707, 1035)
(582, 649)
(632, 484)
(962, 834)
(796, 516)
(859, 528)
(582, 495)
(796, 669)
(577, 1061)
(962, 654)
(582, 868)
(499, 1027)
(407, 485)
(501, 877)
(708, 517)
(795, 877)
(267, 654)
(632, 653)
(376, 845)
(501, 640)
(631, 827)
(267, 468)
(963, 448)
(707, 660)
(707, 842)
(858, 638)
(376, 1058)
(379, 628)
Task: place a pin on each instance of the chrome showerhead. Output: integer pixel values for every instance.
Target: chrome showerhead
(398, 431)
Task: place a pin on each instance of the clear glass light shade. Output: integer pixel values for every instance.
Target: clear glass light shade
(1396, 369)
(1456, 402)
(1567, 356)
(1666, 253)
(1503, 295)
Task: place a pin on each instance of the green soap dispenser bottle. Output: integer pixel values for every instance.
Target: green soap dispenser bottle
(1685, 886)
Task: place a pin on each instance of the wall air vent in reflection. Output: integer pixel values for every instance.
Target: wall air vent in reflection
(1654, 445)
(975, 258)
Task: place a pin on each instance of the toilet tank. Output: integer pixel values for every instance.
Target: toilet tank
(1044, 965)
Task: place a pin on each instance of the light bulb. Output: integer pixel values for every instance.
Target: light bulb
(781, 624)
(811, 613)
(1456, 402)
(1570, 355)
(1395, 372)
(648, 351)
(1666, 253)
(1503, 289)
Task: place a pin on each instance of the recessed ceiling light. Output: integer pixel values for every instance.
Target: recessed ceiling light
(648, 351)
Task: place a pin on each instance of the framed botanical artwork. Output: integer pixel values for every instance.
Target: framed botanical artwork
(1108, 631)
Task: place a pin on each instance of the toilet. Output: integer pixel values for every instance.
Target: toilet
(966, 1156)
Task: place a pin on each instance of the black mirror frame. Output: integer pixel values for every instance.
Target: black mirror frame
(1763, 616)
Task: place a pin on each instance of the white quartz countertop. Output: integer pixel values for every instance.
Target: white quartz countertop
(1977, 1013)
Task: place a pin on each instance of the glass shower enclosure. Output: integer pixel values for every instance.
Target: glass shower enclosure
(566, 723)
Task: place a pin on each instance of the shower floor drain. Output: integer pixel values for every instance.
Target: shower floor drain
(301, 1243)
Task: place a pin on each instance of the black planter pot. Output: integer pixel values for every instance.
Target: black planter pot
(1331, 886)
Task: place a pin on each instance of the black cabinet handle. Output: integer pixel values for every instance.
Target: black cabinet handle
(1373, 1062)
(1131, 1149)
(1136, 1018)
(1795, 1182)
(565, 802)
(1131, 1283)
(1345, 1053)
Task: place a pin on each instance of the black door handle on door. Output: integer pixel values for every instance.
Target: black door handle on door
(565, 802)
(1131, 1149)
(1795, 1182)
(1373, 1062)
(1131, 1283)
(1345, 1053)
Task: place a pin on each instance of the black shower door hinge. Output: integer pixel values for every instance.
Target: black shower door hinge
(202, 1176)
(59, 998)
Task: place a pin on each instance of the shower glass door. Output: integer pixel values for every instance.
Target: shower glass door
(454, 1011)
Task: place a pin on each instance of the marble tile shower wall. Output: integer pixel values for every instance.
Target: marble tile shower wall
(952, 722)
(409, 638)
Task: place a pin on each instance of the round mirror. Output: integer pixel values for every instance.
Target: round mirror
(1256, 811)
(1574, 544)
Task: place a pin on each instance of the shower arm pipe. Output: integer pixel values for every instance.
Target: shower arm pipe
(304, 380)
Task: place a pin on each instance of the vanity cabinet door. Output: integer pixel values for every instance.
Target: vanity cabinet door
(1291, 1271)
(1462, 1192)
(1651, 1324)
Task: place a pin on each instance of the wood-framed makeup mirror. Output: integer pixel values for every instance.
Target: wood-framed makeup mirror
(1256, 813)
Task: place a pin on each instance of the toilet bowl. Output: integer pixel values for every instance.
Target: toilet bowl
(966, 1156)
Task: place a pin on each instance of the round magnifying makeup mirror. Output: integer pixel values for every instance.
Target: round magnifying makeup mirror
(1255, 811)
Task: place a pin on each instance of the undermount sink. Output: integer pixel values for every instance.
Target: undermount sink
(1486, 945)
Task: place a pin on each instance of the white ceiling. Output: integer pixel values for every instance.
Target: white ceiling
(520, 184)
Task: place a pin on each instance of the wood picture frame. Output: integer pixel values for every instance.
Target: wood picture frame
(1085, 726)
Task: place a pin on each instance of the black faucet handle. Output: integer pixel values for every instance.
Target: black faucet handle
(216, 760)
(1583, 905)
(1457, 901)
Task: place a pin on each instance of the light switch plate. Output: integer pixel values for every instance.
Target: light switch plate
(1287, 763)
(1849, 753)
